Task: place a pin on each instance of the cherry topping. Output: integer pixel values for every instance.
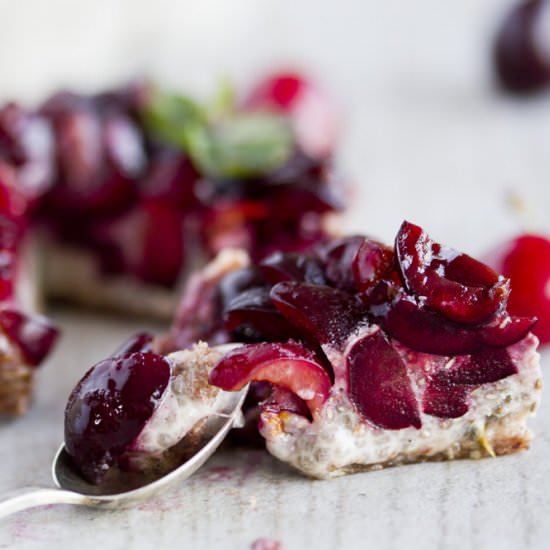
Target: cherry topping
(372, 262)
(142, 342)
(302, 268)
(522, 64)
(448, 390)
(109, 408)
(327, 314)
(429, 271)
(526, 260)
(33, 334)
(289, 365)
(337, 256)
(379, 386)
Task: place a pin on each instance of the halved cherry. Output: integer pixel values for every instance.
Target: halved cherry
(109, 408)
(252, 316)
(379, 385)
(337, 255)
(427, 331)
(288, 266)
(373, 261)
(327, 314)
(289, 365)
(33, 334)
(423, 265)
(447, 393)
(141, 341)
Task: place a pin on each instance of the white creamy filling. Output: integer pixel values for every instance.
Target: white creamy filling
(339, 439)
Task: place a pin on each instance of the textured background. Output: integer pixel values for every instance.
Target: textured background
(424, 136)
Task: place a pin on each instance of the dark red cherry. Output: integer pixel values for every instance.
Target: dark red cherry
(33, 334)
(522, 60)
(379, 385)
(526, 261)
(372, 262)
(142, 342)
(447, 393)
(251, 316)
(289, 365)
(109, 408)
(423, 265)
(326, 314)
(337, 255)
(288, 266)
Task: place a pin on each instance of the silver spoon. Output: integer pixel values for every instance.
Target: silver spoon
(71, 488)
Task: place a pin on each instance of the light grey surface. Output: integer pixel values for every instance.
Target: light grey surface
(425, 137)
(239, 497)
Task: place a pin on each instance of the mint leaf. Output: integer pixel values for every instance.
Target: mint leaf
(168, 115)
(245, 145)
(221, 142)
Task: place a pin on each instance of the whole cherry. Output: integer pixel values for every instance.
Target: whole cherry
(526, 261)
(522, 48)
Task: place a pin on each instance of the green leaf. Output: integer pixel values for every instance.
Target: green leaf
(168, 116)
(221, 142)
(245, 145)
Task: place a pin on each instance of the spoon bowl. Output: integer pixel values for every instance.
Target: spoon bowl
(126, 489)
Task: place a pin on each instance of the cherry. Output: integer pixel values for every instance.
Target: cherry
(33, 334)
(337, 256)
(301, 268)
(327, 314)
(457, 286)
(526, 261)
(141, 341)
(109, 408)
(447, 393)
(379, 385)
(308, 106)
(373, 261)
(288, 365)
(521, 61)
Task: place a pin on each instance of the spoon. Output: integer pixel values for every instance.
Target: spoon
(125, 490)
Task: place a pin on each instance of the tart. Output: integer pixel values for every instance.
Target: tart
(126, 192)
(372, 355)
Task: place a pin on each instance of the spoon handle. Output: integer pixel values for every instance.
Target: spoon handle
(29, 497)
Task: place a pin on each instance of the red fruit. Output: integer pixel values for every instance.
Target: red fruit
(427, 331)
(33, 334)
(372, 262)
(521, 62)
(448, 389)
(281, 400)
(327, 314)
(301, 268)
(289, 365)
(453, 284)
(310, 110)
(252, 317)
(337, 255)
(379, 386)
(526, 261)
(109, 408)
(142, 342)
